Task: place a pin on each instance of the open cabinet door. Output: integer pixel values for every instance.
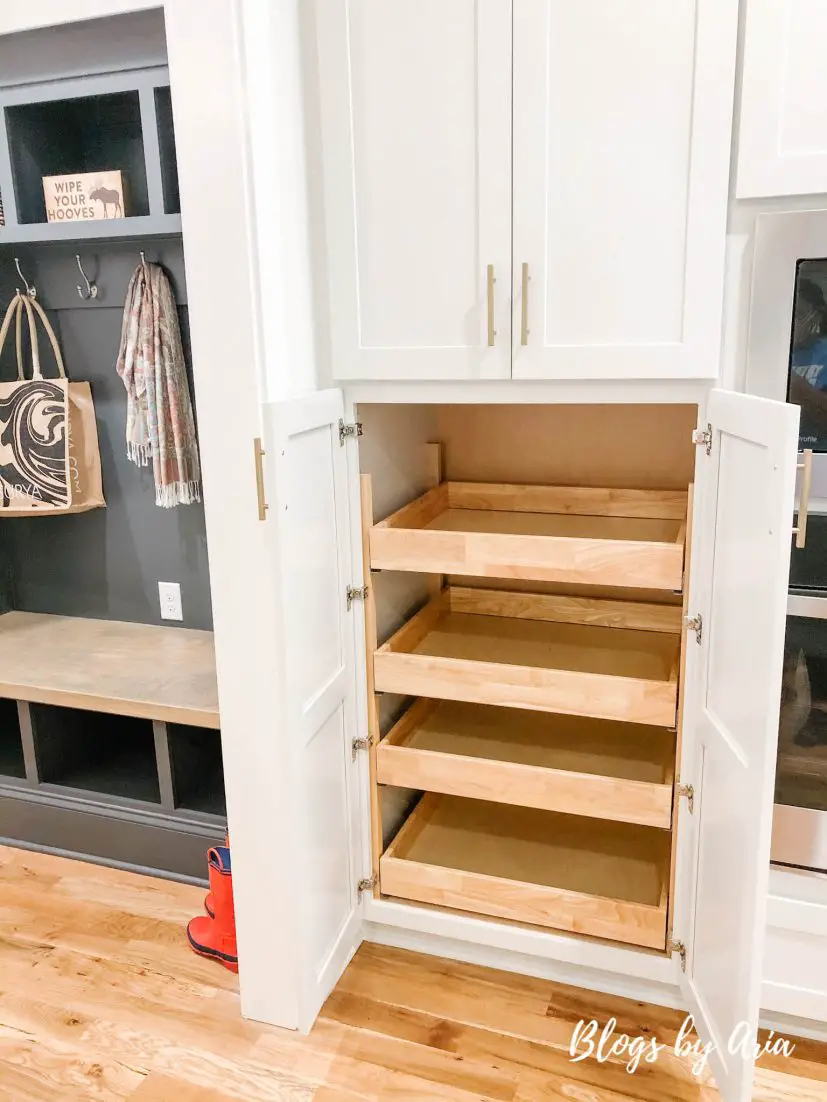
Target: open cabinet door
(742, 552)
(307, 465)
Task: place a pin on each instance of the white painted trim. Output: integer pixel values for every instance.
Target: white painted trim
(512, 392)
(525, 941)
(526, 964)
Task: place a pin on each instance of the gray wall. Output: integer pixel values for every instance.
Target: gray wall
(105, 563)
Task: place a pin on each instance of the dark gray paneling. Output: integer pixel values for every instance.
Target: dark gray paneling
(105, 563)
(133, 41)
(153, 842)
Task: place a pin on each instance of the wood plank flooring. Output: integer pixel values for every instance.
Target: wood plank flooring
(101, 999)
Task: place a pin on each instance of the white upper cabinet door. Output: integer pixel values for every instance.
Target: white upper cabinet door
(307, 467)
(622, 140)
(416, 132)
(782, 140)
(740, 569)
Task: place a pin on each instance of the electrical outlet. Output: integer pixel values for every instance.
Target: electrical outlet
(170, 597)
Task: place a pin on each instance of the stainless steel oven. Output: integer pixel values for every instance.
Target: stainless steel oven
(788, 359)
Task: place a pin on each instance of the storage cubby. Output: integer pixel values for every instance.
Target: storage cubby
(12, 763)
(197, 769)
(96, 753)
(84, 134)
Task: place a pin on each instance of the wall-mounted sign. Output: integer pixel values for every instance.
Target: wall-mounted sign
(84, 197)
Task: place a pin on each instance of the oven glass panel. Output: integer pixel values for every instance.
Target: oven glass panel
(807, 378)
(801, 779)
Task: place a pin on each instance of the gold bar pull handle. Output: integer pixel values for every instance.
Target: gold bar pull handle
(490, 281)
(524, 330)
(259, 454)
(800, 532)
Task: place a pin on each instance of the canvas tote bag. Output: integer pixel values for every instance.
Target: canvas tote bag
(49, 454)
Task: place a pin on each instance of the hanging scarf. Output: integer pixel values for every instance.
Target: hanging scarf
(159, 420)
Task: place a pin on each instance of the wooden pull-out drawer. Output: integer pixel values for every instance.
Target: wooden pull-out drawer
(577, 656)
(628, 538)
(533, 866)
(578, 766)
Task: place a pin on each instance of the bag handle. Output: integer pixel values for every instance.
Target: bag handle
(15, 311)
(33, 307)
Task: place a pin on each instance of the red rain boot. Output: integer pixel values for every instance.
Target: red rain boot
(209, 902)
(215, 937)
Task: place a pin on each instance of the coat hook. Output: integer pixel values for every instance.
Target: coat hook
(91, 288)
(31, 290)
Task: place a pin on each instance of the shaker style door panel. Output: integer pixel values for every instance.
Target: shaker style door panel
(622, 126)
(307, 466)
(733, 692)
(782, 138)
(416, 146)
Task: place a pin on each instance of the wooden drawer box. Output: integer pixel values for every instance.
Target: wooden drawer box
(533, 866)
(568, 764)
(628, 538)
(578, 656)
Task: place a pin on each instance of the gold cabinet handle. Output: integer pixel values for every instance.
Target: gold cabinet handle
(259, 454)
(524, 308)
(800, 532)
(490, 281)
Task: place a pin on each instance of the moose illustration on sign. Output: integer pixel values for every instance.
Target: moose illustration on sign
(106, 196)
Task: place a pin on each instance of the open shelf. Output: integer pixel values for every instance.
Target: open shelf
(577, 656)
(109, 666)
(533, 866)
(103, 754)
(197, 769)
(568, 764)
(67, 136)
(629, 538)
(12, 763)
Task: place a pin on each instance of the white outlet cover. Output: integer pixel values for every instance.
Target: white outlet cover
(169, 594)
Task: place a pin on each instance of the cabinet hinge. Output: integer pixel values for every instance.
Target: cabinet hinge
(696, 624)
(356, 593)
(347, 432)
(688, 792)
(366, 884)
(703, 437)
(679, 948)
(360, 744)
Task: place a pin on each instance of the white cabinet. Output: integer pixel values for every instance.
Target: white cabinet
(416, 133)
(518, 831)
(622, 117)
(575, 231)
(782, 139)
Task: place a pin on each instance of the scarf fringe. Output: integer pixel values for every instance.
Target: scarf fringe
(178, 493)
(139, 454)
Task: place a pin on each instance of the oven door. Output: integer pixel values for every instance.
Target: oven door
(800, 820)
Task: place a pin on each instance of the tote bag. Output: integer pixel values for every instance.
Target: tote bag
(49, 454)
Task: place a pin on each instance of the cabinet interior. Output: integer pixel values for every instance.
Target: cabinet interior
(526, 572)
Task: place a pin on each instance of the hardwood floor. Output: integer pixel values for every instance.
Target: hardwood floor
(100, 998)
